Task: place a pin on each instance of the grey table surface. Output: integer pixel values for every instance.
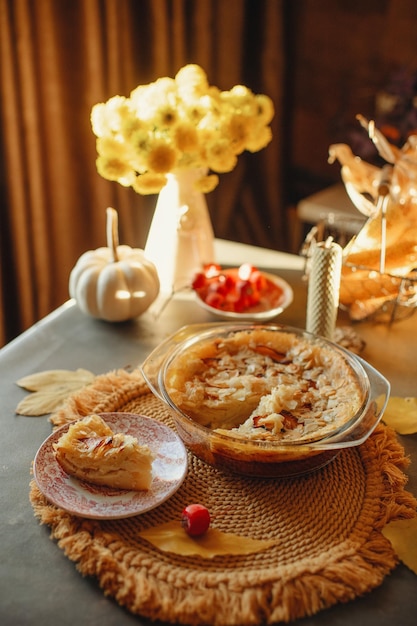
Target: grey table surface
(38, 584)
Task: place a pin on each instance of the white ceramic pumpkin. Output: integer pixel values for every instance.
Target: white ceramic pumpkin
(116, 283)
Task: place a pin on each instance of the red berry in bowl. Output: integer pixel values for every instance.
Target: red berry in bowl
(199, 281)
(195, 519)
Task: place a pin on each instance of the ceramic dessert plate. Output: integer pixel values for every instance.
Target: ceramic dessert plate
(95, 502)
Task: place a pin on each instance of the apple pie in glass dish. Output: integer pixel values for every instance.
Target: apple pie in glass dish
(265, 400)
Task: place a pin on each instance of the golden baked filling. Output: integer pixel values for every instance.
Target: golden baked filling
(263, 384)
(91, 451)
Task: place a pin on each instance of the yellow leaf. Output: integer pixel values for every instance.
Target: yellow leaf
(40, 403)
(171, 537)
(403, 536)
(401, 415)
(40, 380)
(50, 389)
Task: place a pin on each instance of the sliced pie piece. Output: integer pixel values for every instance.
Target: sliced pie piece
(91, 451)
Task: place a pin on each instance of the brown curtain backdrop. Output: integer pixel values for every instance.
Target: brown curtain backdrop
(60, 57)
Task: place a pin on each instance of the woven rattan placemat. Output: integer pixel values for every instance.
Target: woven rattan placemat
(330, 548)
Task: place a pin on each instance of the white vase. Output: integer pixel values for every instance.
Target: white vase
(180, 239)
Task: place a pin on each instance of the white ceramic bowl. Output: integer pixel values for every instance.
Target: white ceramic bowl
(272, 303)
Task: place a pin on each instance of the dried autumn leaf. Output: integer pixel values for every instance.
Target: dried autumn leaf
(40, 403)
(403, 536)
(171, 537)
(401, 415)
(40, 380)
(50, 388)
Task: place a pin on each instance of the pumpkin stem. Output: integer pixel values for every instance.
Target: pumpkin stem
(112, 233)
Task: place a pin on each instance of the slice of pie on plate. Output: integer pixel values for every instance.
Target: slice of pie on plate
(89, 450)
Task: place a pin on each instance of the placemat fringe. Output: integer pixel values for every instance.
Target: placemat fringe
(392, 462)
(107, 393)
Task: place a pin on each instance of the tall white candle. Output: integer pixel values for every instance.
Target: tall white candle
(323, 288)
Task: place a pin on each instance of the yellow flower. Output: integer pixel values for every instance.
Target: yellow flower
(161, 158)
(259, 139)
(192, 79)
(220, 157)
(241, 99)
(115, 169)
(178, 122)
(130, 126)
(108, 117)
(207, 183)
(98, 120)
(112, 147)
(185, 137)
(265, 108)
(193, 111)
(166, 116)
(149, 183)
(238, 128)
(139, 146)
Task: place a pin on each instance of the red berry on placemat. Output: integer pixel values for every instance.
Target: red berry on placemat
(195, 519)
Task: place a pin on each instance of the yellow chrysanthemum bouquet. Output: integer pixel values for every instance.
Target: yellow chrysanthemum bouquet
(177, 123)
